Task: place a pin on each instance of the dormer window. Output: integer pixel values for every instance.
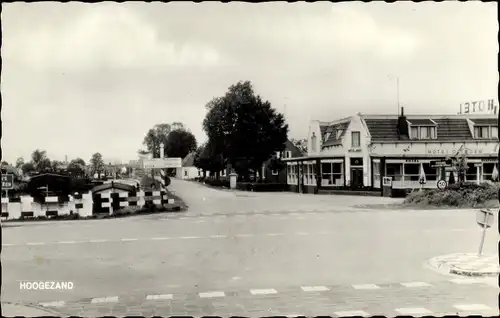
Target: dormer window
(339, 133)
(423, 132)
(485, 132)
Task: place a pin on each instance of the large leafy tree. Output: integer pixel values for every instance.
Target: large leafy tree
(243, 127)
(28, 168)
(19, 162)
(40, 160)
(96, 163)
(76, 167)
(180, 143)
(207, 159)
(156, 136)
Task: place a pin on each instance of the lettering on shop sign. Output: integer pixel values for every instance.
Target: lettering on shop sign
(466, 151)
(480, 106)
(412, 160)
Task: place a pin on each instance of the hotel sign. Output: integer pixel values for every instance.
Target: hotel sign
(436, 149)
(467, 151)
(479, 107)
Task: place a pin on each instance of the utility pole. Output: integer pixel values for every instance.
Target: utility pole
(397, 84)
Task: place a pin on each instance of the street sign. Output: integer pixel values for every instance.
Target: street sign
(484, 218)
(441, 184)
(7, 181)
(162, 163)
(439, 164)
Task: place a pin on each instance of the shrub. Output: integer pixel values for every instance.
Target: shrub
(464, 195)
(260, 186)
(222, 182)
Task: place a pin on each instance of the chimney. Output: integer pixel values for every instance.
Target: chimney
(402, 127)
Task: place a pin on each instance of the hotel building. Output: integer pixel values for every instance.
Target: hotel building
(358, 151)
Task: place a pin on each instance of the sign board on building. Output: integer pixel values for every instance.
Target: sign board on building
(162, 163)
(438, 164)
(7, 181)
(479, 107)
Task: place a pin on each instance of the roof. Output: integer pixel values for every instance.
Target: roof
(332, 131)
(485, 121)
(421, 122)
(113, 185)
(384, 128)
(296, 152)
(188, 161)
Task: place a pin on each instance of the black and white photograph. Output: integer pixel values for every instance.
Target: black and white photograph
(239, 159)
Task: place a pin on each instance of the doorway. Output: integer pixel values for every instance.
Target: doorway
(356, 178)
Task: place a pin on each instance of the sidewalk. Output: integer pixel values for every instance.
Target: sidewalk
(13, 310)
(467, 264)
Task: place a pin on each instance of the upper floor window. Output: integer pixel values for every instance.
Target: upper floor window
(287, 154)
(355, 139)
(485, 132)
(423, 132)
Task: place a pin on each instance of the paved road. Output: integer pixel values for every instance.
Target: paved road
(339, 261)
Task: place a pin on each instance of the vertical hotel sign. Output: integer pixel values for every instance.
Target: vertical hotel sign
(479, 107)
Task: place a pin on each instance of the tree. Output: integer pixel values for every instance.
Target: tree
(76, 167)
(37, 157)
(19, 162)
(243, 127)
(207, 159)
(55, 164)
(180, 143)
(96, 163)
(5, 163)
(44, 165)
(28, 168)
(301, 144)
(155, 136)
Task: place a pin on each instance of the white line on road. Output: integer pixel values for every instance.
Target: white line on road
(189, 237)
(35, 243)
(53, 304)
(244, 235)
(413, 311)
(314, 288)
(464, 281)
(275, 234)
(128, 239)
(366, 286)
(472, 307)
(353, 313)
(113, 299)
(97, 241)
(263, 291)
(212, 294)
(160, 238)
(67, 242)
(7, 244)
(415, 284)
(218, 236)
(159, 297)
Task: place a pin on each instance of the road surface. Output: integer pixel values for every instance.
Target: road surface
(250, 254)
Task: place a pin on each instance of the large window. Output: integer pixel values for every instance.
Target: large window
(411, 171)
(376, 175)
(310, 174)
(423, 132)
(394, 170)
(355, 139)
(471, 173)
(431, 174)
(488, 170)
(332, 174)
(494, 132)
(292, 174)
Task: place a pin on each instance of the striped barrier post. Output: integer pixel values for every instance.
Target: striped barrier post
(27, 207)
(52, 203)
(11, 207)
(101, 203)
(78, 201)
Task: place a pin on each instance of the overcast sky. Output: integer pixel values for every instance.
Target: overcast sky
(80, 78)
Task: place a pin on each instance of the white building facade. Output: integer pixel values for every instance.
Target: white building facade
(358, 151)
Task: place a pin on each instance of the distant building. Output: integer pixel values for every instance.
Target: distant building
(358, 151)
(188, 170)
(280, 176)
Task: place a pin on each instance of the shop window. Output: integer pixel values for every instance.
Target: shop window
(331, 174)
(292, 174)
(394, 170)
(431, 174)
(411, 171)
(376, 175)
(471, 173)
(355, 139)
(488, 170)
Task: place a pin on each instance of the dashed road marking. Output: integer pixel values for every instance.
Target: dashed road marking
(67, 242)
(159, 297)
(314, 288)
(189, 237)
(413, 311)
(128, 239)
(97, 241)
(472, 307)
(263, 291)
(53, 304)
(160, 238)
(244, 235)
(416, 284)
(352, 313)
(35, 243)
(275, 234)
(218, 236)
(7, 244)
(212, 294)
(366, 286)
(113, 299)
